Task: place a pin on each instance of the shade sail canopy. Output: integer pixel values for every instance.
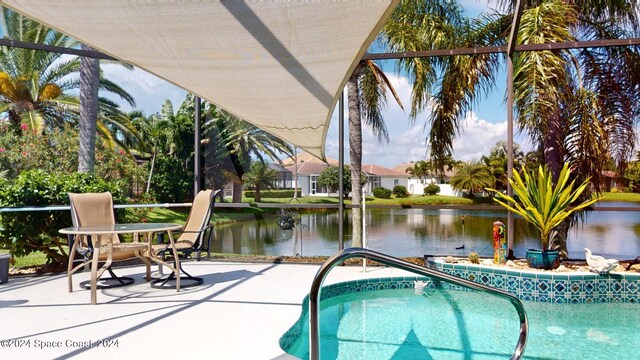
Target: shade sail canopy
(277, 64)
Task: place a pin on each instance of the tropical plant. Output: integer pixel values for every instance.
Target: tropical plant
(235, 142)
(419, 169)
(259, 177)
(497, 162)
(35, 86)
(472, 177)
(541, 202)
(286, 219)
(88, 120)
(330, 178)
(29, 231)
(632, 175)
(170, 181)
(367, 95)
(56, 150)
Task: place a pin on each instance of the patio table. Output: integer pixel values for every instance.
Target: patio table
(98, 232)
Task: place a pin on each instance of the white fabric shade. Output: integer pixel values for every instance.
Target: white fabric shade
(278, 64)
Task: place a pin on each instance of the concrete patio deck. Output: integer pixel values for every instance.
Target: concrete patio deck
(239, 312)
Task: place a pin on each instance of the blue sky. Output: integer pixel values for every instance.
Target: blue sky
(483, 127)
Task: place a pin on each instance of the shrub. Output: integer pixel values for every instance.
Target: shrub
(29, 231)
(382, 193)
(170, 182)
(57, 151)
(431, 189)
(400, 191)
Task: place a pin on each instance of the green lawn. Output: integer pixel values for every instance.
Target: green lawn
(619, 196)
(412, 200)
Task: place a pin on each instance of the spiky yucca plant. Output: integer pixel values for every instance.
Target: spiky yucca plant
(542, 203)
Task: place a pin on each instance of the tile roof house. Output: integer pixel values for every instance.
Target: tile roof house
(380, 176)
(310, 167)
(416, 185)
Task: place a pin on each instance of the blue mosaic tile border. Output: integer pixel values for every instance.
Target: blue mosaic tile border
(547, 287)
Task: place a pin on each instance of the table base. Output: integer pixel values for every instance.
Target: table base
(108, 283)
(169, 282)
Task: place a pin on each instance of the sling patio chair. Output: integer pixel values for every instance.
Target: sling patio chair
(96, 209)
(196, 232)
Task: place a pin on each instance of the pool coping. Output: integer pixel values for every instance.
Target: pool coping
(531, 285)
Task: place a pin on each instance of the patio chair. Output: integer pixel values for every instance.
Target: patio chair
(196, 232)
(94, 209)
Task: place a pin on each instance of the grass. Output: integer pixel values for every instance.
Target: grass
(412, 200)
(620, 196)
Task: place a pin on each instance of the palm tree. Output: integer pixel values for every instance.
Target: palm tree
(420, 169)
(154, 132)
(367, 96)
(260, 176)
(472, 177)
(577, 106)
(89, 82)
(433, 25)
(34, 86)
(497, 162)
(31, 82)
(237, 142)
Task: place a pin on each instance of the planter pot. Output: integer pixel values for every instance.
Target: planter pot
(539, 259)
(4, 268)
(285, 225)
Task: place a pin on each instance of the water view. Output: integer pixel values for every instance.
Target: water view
(416, 232)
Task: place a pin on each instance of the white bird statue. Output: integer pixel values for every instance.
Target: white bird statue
(598, 264)
(418, 287)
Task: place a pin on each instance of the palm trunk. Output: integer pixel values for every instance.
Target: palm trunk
(89, 83)
(237, 192)
(295, 175)
(355, 154)
(153, 162)
(553, 159)
(257, 197)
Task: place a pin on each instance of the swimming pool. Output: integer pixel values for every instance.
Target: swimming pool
(393, 322)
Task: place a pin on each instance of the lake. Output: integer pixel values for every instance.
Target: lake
(416, 232)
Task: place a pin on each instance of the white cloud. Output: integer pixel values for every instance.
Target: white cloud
(408, 138)
(149, 91)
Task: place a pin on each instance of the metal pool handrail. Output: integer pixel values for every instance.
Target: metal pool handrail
(314, 294)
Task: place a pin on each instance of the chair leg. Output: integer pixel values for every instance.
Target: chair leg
(70, 271)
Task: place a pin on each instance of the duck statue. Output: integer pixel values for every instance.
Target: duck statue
(599, 264)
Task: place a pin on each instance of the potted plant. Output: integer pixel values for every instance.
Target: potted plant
(286, 219)
(544, 205)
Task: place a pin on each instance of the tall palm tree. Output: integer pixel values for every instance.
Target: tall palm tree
(420, 169)
(367, 95)
(89, 82)
(154, 132)
(31, 82)
(260, 176)
(433, 25)
(577, 106)
(237, 142)
(35, 85)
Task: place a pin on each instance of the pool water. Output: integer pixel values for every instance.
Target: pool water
(453, 324)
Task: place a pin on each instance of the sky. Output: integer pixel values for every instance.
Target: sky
(482, 128)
